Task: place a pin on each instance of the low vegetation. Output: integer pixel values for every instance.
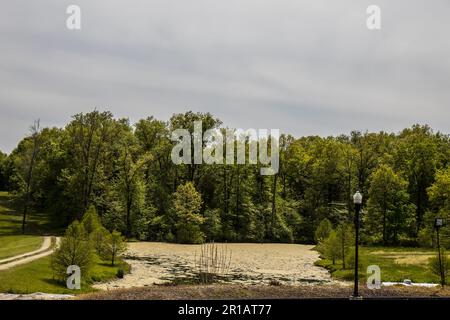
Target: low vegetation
(37, 276)
(396, 264)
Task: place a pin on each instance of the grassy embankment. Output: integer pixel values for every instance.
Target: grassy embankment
(37, 276)
(396, 264)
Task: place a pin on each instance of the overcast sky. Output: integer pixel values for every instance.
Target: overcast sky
(304, 67)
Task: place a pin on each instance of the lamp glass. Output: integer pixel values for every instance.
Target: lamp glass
(357, 198)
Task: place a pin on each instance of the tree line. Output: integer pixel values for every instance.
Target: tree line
(125, 171)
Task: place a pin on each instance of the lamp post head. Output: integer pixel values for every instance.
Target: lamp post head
(357, 198)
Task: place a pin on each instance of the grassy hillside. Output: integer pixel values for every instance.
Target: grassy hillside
(12, 242)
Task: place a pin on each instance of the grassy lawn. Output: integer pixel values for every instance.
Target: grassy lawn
(14, 245)
(11, 220)
(396, 264)
(37, 276)
(12, 242)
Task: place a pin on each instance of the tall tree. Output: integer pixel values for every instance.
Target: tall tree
(26, 156)
(388, 204)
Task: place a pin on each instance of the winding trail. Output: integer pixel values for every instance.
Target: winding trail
(45, 250)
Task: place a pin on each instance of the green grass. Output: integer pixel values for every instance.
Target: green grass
(11, 220)
(396, 264)
(37, 276)
(14, 245)
(12, 241)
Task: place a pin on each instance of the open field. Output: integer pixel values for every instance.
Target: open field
(396, 264)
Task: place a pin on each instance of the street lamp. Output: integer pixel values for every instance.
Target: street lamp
(438, 223)
(357, 200)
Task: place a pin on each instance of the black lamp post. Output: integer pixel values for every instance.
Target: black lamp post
(357, 200)
(438, 223)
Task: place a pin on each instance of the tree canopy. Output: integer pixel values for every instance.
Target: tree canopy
(125, 172)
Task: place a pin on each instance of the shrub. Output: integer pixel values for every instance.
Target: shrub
(120, 273)
(75, 249)
(91, 220)
(323, 230)
(331, 247)
(350, 259)
(98, 238)
(114, 246)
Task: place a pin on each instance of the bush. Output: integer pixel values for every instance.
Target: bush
(331, 247)
(75, 249)
(98, 238)
(323, 230)
(91, 220)
(350, 259)
(189, 233)
(114, 246)
(120, 273)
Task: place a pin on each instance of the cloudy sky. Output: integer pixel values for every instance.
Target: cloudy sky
(305, 67)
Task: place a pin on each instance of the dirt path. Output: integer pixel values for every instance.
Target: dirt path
(156, 263)
(43, 251)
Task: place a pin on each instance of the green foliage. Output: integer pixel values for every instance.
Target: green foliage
(345, 234)
(125, 171)
(437, 266)
(212, 227)
(113, 247)
(3, 171)
(186, 206)
(350, 259)
(323, 230)
(75, 249)
(91, 220)
(389, 212)
(332, 247)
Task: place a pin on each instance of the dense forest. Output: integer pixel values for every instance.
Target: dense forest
(125, 171)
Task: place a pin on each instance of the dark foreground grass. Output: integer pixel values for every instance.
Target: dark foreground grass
(396, 264)
(37, 276)
(236, 291)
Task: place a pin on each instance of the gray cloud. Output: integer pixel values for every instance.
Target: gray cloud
(306, 67)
